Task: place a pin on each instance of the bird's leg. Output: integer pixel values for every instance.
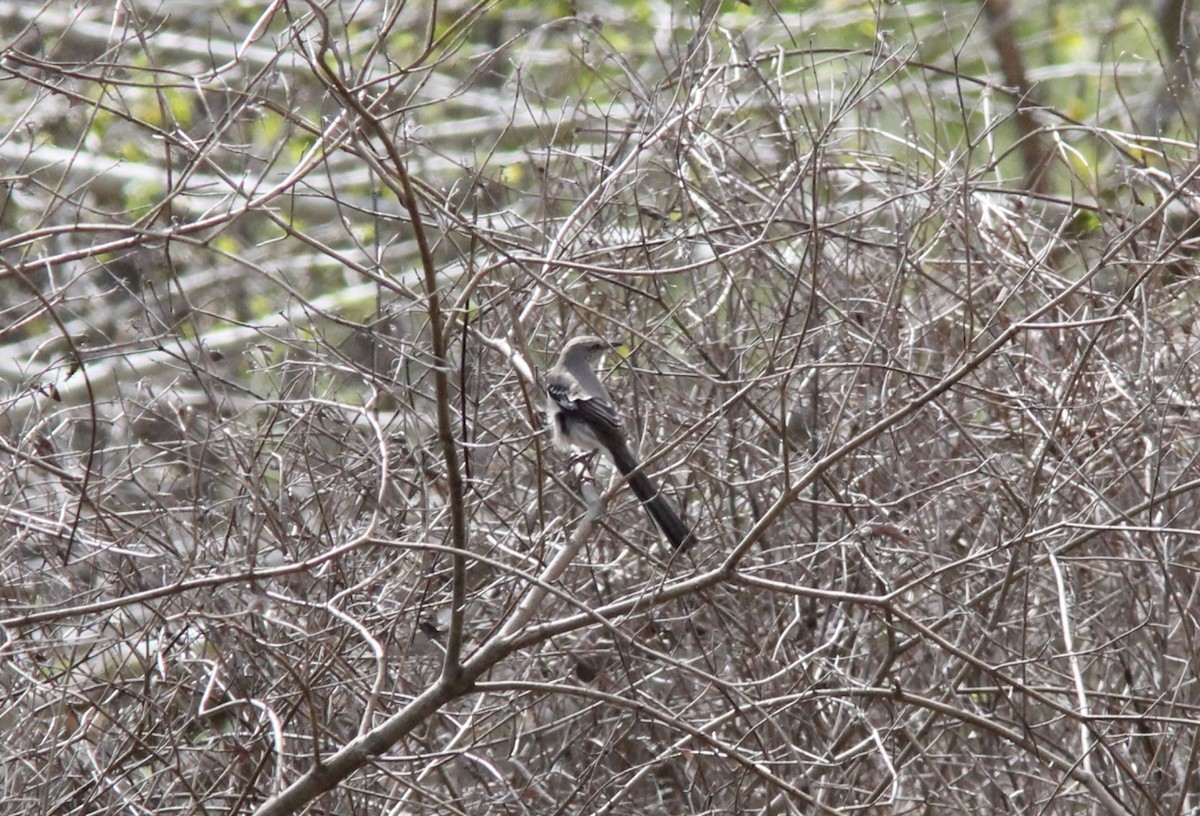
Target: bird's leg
(580, 466)
(584, 458)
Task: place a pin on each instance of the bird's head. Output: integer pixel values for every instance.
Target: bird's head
(586, 349)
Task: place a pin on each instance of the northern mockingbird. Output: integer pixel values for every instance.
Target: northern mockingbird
(584, 416)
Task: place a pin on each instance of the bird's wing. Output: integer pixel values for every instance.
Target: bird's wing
(596, 411)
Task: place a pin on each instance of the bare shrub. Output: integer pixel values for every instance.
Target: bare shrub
(282, 527)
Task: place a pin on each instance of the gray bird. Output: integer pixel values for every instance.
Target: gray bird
(584, 416)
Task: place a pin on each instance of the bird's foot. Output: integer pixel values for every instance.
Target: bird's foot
(580, 467)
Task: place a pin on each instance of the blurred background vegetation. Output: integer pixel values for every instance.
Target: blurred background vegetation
(905, 299)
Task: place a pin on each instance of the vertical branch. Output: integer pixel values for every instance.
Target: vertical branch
(1033, 151)
(1064, 616)
(451, 666)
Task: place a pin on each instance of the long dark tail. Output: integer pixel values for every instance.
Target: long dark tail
(666, 518)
